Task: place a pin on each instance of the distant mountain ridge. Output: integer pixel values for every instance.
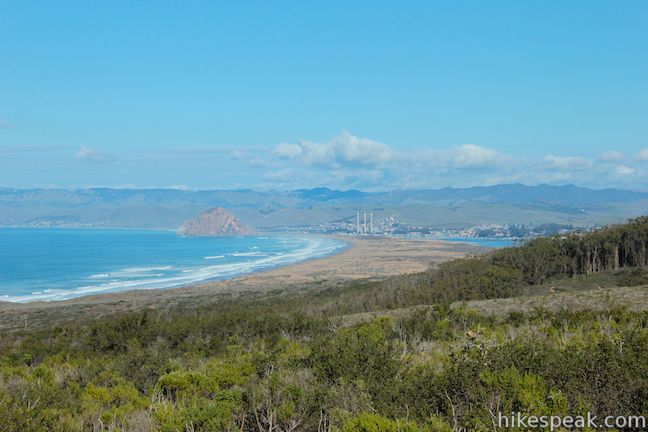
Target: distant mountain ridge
(451, 207)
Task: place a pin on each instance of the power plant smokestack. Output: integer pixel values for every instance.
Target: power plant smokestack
(358, 222)
(364, 226)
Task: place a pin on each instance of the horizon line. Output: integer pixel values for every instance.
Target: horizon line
(250, 189)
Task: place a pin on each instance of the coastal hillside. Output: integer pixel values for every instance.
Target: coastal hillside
(530, 329)
(448, 207)
(214, 222)
(290, 216)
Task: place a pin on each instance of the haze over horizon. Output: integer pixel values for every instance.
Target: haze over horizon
(366, 96)
(315, 189)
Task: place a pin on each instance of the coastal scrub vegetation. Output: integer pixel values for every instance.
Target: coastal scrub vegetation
(312, 361)
(617, 253)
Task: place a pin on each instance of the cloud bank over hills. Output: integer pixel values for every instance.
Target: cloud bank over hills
(347, 160)
(344, 161)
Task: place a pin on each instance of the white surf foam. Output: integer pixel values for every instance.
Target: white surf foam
(146, 269)
(246, 254)
(144, 278)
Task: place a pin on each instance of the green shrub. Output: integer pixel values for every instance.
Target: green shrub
(367, 422)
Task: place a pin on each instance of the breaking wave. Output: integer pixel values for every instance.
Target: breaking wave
(229, 265)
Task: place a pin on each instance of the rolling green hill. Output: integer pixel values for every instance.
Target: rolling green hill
(557, 326)
(449, 208)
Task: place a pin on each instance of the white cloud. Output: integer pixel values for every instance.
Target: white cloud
(90, 155)
(288, 151)
(347, 150)
(348, 161)
(625, 170)
(567, 162)
(612, 156)
(474, 156)
(343, 150)
(642, 155)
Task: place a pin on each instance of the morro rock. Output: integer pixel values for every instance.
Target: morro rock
(214, 222)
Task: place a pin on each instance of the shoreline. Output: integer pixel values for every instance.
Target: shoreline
(314, 247)
(362, 258)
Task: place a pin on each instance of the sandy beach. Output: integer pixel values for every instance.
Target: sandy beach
(364, 258)
(368, 257)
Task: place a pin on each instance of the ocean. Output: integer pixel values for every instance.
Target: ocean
(58, 264)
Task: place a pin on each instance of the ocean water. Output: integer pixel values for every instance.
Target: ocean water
(58, 264)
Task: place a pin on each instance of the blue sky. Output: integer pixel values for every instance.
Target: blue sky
(364, 94)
